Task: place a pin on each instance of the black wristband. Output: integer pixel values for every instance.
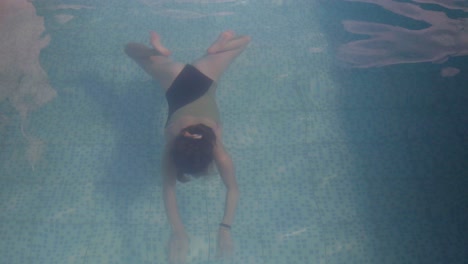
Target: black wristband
(225, 226)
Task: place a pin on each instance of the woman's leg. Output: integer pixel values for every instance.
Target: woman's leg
(155, 61)
(221, 53)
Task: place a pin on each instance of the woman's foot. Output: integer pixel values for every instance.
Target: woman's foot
(156, 43)
(220, 43)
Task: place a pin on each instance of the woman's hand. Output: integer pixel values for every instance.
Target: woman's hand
(225, 245)
(178, 247)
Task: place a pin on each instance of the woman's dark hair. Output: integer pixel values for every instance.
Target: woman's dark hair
(192, 150)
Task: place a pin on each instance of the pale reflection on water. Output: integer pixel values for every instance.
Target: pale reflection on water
(443, 38)
(23, 81)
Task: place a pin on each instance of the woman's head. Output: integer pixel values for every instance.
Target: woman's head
(192, 150)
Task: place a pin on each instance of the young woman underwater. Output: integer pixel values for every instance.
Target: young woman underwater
(193, 132)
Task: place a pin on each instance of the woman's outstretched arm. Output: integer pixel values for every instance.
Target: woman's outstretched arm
(169, 194)
(226, 170)
(178, 245)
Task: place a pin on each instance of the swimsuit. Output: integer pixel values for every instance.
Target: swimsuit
(192, 94)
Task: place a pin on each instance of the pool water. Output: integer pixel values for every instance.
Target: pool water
(346, 121)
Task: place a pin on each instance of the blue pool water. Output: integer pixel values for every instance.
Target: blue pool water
(346, 120)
